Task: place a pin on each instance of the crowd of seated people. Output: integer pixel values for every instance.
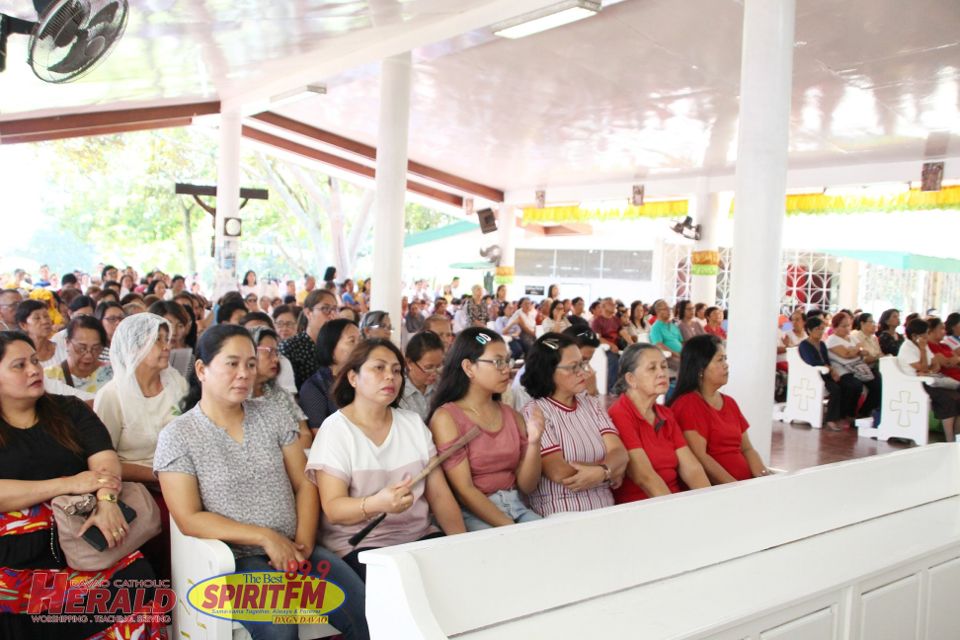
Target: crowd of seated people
(144, 380)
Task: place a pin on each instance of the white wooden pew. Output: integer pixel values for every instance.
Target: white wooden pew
(805, 391)
(866, 549)
(904, 407)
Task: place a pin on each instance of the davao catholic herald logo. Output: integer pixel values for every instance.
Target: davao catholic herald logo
(298, 596)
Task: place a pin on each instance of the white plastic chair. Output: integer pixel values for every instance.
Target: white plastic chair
(193, 560)
(805, 391)
(904, 405)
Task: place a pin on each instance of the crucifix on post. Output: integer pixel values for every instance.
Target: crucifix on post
(231, 225)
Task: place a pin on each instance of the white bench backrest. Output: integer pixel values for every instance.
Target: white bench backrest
(463, 583)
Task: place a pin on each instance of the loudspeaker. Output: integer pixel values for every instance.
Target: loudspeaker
(488, 220)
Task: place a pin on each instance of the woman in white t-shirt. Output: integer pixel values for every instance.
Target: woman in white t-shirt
(365, 455)
(864, 335)
(915, 358)
(846, 357)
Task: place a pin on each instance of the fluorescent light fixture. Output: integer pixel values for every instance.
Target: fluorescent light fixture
(298, 94)
(550, 17)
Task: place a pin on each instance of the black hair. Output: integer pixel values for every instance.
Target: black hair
(68, 278)
(812, 323)
(556, 303)
(87, 322)
(594, 305)
(551, 288)
(583, 335)
(862, 319)
(884, 320)
(177, 277)
(152, 287)
(916, 327)
(542, 359)
(244, 281)
(107, 293)
(329, 274)
(576, 300)
(933, 322)
(228, 309)
(169, 308)
(695, 356)
(103, 272)
(629, 358)
(102, 308)
(454, 384)
(253, 316)
(633, 313)
(327, 339)
(210, 344)
(82, 301)
(49, 414)
(230, 296)
(682, 308)
(814, 313)
(952, 321)
(25, 308)
(343, 392)
(133, 296)
(423, 343)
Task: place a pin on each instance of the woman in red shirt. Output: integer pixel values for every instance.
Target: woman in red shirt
(711, 421)
(714, 316)
(659, 460)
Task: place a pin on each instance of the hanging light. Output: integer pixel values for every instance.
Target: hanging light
(550, 17)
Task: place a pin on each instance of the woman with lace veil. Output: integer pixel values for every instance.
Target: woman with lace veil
(143, 397)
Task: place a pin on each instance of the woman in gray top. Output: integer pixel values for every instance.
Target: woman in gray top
(234, 470)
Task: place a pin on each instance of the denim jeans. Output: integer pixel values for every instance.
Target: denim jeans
(350, 618)
(510, 503)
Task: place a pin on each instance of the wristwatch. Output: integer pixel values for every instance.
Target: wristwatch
(606, 472)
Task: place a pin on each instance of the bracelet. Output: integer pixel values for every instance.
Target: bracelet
(110, 497)
(363, 510)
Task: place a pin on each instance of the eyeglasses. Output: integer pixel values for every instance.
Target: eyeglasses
(430, 371)
(325, 309)
(385, 327)
(270, 352)
(82, 349)
(499, 364)
(286, 324)
(583, 365)
(113, 319)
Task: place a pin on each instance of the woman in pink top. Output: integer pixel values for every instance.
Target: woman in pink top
(489, 475)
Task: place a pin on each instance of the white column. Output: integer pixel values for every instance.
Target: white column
(391, 187)
(506, 226)
(849, 288)
(704, 268)
(766, 74)
(227, 202)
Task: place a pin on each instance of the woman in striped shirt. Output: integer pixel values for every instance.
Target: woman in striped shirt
(582, 455)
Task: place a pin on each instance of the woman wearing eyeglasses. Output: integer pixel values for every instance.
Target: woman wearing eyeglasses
(266, 386)
(110, 314)
(424, 357)
(376, 324)
(583, 458)
(82, 373)
(660, 462)
(335, 343)
(141, 399)
(490, 474)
